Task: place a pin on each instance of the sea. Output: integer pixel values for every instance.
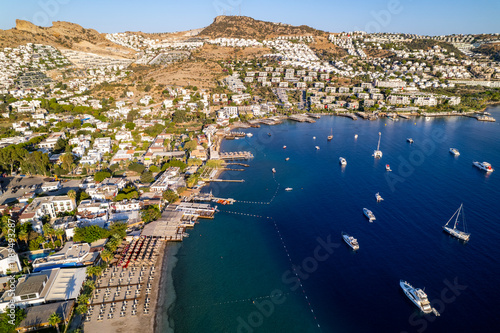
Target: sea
(275, 261)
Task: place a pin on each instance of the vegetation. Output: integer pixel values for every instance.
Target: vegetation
(151, 213)
(7, 324)
(170, 196)
(101, 175)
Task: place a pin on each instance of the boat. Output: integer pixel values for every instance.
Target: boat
(286, 159)
(342, 161)
(378, 197)
(355, 136)
(387, 167)
(317, 147)
(288, 189)
(454, 151)
(351, 241)
(284, 147)
(463, 235)
(410, 140)
(314, 138)
(483, 166)
(368, 213)
(427, 118)
(378, 153)
(249, 135)
(274, 170)
(330, 137)
(418, 297)
(269, 134)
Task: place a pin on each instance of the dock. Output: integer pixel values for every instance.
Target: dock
(366, 116)
(301, 118)
(238, 155)
(404, 116)
(347, 115)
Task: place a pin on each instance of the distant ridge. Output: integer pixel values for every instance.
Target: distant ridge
(249, 28)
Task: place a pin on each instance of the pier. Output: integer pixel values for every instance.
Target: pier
(301, 119)
(239, 155)
(347, 115)
(366, 116)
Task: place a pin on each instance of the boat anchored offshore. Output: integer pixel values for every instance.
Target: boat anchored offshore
(463, 235)
(418, 297)
(249, 135)
(387, 167)
(483, 166)
(454, 151)
(330, 137)
(314, 138)
(342, 161)
(288, 189)
(317, 147)
(286, 159)
(284, 147)
(378, 153)
(274, 170)
(355, 136)
(368, 213)
(378, 197)
(410, 140)
(351, 241)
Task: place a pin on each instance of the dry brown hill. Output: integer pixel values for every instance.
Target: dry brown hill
(61, 35)
(249, 28)
(489, 49)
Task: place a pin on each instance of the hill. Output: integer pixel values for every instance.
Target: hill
(61, 35)
(249, 28)
(490, 49)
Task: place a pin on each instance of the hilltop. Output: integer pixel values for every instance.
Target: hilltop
(490, 49)
(63, 35)
(249, 28)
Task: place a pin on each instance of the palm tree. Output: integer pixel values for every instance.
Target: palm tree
(106, 255)
(60, 234)
(22, 236)
(48, 231)
(72, 195)
(54, 320)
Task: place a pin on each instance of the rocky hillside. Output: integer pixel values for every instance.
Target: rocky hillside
(60, 35)
(249, 28)
(490, 49)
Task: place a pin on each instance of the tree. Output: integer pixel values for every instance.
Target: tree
(130, 126)
(71, 194)
(90, 234)
(60, 145)
(190, 145)
(147, 177)
(22, 236)
(6, 325)
(170, 196)
(94, 271)
(48, 231)
(60, 234)
(137, 167)
(67, 160)
(101, 175)
(106, 255)
(154, 168)
(152, 213)
(54, 320)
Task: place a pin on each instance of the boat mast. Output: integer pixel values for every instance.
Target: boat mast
(458, 215)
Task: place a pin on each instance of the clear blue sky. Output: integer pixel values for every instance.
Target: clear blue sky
(429, 17)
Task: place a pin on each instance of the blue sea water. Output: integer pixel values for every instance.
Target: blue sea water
(234, 273)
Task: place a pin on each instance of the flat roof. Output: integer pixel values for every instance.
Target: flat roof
(67, 284)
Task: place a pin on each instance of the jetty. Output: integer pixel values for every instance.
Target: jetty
(301, 118)
(238, 155)
(366, 116)
(347, 115)
(404, 116)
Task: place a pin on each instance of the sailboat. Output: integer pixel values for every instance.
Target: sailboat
(378, 152)
(463, 235)
(330, 137)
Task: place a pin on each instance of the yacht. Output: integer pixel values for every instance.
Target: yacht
(378, 197)
(368, 213)
(351, 241)
(330, 137)
(249, 135)
(317, 147)
(284, 147)
(454, 151)
(274, 170)
(463, 235)
(286, 159)
(288, 189)
(427, 118)
(269, 134)
(342, 161)
(355, 136)
(483, 166)
(378, 152)
(387, 167)
(417, 296)
(314, 138)
(410, 140)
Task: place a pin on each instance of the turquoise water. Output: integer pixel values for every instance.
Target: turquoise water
(234, 273)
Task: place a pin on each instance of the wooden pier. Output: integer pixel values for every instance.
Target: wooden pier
(239, 155)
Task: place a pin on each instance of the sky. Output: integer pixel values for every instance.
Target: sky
(424, 17)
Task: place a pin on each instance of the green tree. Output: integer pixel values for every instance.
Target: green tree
(90, 234)
(190, 145)
(170, 196)
(67, 160)
(49, 232)
(101, 175)
(130, 126)
(54, 320)
(152, 213)
(147, 177)
(6, 325)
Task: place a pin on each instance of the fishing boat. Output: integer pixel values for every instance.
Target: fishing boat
(317, 147)
(355, 136)
(249, 135)
(284, 147)
(454, 151)
(418, 297)
(269, 134)
(378, 197)
(410, 140)
(274, 170)
(286, 159)
(463, 235)
(351, 241)
(288, 189)
(342, 161)
(378, 153)
(483, 166)
(387, 167)
(330, 137)
(368, 213)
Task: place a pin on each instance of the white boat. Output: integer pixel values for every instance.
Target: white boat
(378, 197)
(427, 118)
(330, 137)
(286, 159)
(463, 235)
(317, 147)
(342, 161)
(284, 147)
(368, 213)
(351, 241)
(417, 296)
(387, 167)
(274, 170)
(378, 153)
(314, 138)
(288, 189)
(249, 135)
(454, 151)
(355, 136)
(483, 166)
(410, 140)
